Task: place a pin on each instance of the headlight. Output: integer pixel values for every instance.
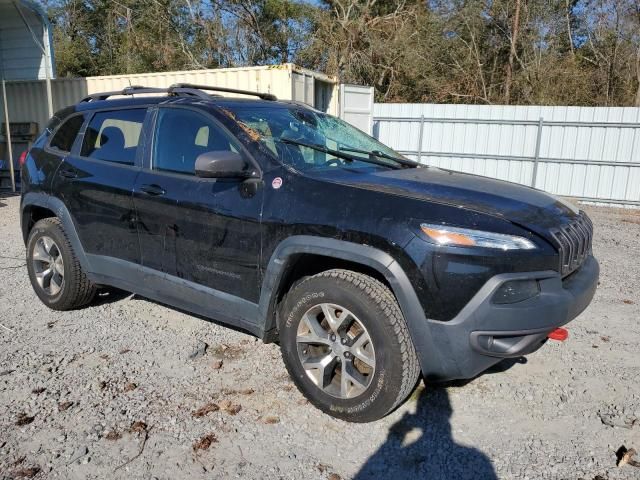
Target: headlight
(466, 237)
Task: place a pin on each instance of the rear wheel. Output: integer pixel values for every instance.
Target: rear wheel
(346, 345)
(54, 271)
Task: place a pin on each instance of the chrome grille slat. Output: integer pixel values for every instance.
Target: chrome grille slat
(584, 250)
(570, 248)
(574, 227)
(574, 243)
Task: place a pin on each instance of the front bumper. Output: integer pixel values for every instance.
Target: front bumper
(483, 332)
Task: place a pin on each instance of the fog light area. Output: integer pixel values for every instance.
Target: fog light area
(516, 291)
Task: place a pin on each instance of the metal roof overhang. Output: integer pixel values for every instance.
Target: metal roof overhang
(26, 52)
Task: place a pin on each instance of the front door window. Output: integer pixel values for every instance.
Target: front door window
(181, 136)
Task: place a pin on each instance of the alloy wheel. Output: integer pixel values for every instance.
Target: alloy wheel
(48, 265)
(336, 350)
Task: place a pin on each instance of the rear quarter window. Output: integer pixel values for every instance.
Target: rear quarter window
(65, 136)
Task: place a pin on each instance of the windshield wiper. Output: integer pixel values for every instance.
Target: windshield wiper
(378, 153)
(336, 153)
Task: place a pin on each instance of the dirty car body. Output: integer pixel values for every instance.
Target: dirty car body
(229, 248)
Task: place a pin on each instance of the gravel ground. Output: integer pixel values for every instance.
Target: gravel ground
(126, 389)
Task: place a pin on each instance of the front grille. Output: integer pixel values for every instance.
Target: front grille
(573, 241)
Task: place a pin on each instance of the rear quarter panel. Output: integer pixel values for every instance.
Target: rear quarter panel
(39, 168)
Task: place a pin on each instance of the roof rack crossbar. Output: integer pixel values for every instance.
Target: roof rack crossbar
(263, 96)
(173, 90)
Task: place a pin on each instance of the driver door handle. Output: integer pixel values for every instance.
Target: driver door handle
(153, 189)
(66, 173)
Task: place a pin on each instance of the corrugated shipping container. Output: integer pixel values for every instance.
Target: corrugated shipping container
(27, 100)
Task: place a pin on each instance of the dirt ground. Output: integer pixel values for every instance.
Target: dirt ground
(125, 389)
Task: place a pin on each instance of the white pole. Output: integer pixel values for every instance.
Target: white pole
(7, 133)
(47, 68)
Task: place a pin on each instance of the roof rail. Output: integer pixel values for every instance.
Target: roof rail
(190, 86)
(131, 90)
(176, 89)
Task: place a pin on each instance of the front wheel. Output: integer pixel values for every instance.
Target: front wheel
(346, 345)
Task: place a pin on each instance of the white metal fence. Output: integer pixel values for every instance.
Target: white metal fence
(588, 153)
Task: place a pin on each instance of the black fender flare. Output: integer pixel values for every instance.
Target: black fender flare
(60, 210)
(382, 262)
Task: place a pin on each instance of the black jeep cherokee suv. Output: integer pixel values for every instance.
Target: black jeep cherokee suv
(291, 224)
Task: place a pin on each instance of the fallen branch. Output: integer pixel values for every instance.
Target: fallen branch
(144, 442)
(6, 328)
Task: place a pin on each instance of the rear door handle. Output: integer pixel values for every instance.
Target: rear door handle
(68, 174)
(153, 189)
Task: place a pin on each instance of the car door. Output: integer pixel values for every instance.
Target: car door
(96, 181)
(202, 230)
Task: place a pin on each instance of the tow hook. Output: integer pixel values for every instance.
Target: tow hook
(559, 334)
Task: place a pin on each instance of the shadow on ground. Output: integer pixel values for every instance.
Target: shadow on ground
(420, 446)
(6, 194)
(107, 295)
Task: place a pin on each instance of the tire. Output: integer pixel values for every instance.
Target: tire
(49, 248)
(381, 371)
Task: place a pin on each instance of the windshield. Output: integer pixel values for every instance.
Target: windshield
(308, 140)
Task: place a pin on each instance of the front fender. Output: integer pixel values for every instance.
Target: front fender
(365, 255)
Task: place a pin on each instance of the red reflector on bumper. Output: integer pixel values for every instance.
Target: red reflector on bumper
(560, 334)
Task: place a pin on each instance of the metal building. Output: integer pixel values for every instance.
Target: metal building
(25, 54)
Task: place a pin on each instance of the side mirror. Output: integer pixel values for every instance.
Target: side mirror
(221, 164)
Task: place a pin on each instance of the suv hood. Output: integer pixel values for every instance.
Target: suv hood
(525, 206)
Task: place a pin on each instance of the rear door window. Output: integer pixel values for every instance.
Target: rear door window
(66, 134)
(114, 136)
